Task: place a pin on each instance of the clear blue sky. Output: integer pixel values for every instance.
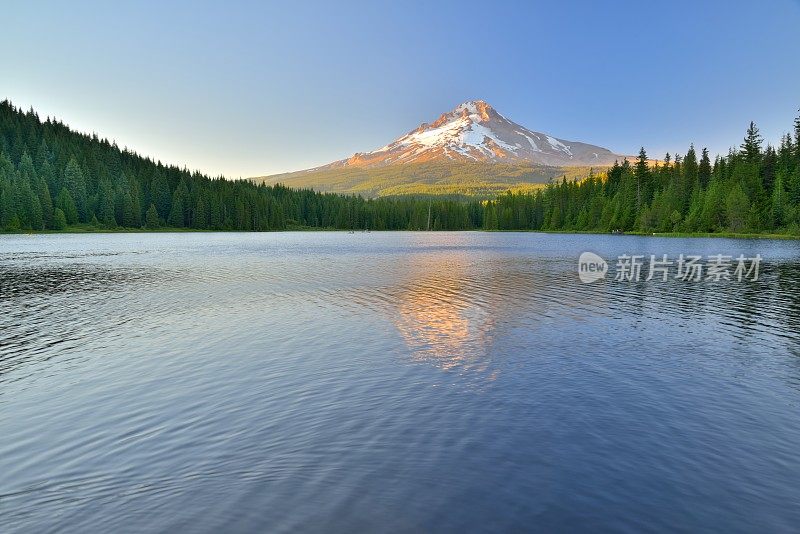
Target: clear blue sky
(248, 88)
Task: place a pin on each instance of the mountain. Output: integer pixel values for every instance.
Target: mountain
(476, 132)
(471, 150)
(477, 180)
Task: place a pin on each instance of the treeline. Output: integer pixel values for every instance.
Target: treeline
(470, 181)
(52, 177)
(751, 190)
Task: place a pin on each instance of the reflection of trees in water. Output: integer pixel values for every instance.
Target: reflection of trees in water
(450, 308)
(45, 309)
(787, 286)
(768, 306)
(32, 281)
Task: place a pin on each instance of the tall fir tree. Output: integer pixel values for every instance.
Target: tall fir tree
(704, 169)
(642, 173)
(75, 183)
(152, 220)
(66, 204)
(751, 147)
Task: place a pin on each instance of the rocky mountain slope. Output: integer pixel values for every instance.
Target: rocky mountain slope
(469, 140)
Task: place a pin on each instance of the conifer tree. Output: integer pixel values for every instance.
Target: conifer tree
(28, 208)
(105, 211)
(769, 164)
(691, 174)
(66, 204)
(779, 202)
(59, 219)
(704, 169)
(151, 218)
(642, 173)
(76, 185)
(176, 214)
(160, 195)
(751, 147)
(736, 209)
(38, 186)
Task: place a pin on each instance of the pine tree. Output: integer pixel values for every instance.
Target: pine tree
(160, 195)
(797, 137)
(128, 220)
(691, 173)
(59, 219)
(76, 185)
(105, 205)
(151, 218)
(200, 217)
(136, 206)
(779, 204)
(793, 187)
(704, 169)
(769, 164)
(751, 147)
(39, 188)
(642, 173)
(737, 209)
(7, 208)
(52, 179)
(713, 217)
(43, 155)
(66, 204)
(490, 218)
(176, 213)
(29, 210)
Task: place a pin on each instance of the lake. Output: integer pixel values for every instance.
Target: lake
(401, 382)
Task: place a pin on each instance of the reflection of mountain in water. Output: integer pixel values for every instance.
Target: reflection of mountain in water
(454, 311)
(440, 322)
(450, 309)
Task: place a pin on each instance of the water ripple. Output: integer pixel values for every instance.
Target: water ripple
(391, 382)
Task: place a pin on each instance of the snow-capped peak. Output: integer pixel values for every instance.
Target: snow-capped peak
(474, 131)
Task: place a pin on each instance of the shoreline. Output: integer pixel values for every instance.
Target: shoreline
(86, 229)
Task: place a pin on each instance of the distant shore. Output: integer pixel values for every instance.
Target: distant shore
(726, 235)
(89, 229)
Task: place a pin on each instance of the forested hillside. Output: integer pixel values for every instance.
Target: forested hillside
(752, 189)
(52, 177)
(478, 180)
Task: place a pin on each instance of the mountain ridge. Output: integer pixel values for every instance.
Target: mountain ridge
(475, 132)
(472, 150)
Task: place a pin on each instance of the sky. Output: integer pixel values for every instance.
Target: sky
(252, 88)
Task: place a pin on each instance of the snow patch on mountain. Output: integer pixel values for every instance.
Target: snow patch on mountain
(475, 131)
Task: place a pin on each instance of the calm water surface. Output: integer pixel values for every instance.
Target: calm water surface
(397, 382)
